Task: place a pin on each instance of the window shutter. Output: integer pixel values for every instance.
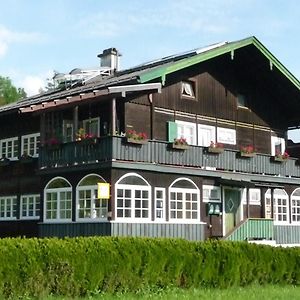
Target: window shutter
(172, 131)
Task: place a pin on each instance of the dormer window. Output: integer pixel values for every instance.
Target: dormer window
(188, 89)
(242, 101)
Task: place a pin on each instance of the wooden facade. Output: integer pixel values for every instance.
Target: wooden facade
(57, 147)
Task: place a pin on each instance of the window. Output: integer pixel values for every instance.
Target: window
(280, 205)
(58, 200)
(211, 193)
(91, 126)
(277, 145)
(242, 101)
(184, 201)
(188, 89)
(226, 136)
(160, 199)
(30, 206)
(295, 206)
(89, 206)
(9, 148)
(187, 130)
(30, 144)
(206, 135)
(8, 208)
(133, 195)
(68, 130)
(254, 197)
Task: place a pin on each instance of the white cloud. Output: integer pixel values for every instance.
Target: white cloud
(32, 84)
(8, 37)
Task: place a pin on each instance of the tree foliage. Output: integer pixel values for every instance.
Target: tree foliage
(8, 92)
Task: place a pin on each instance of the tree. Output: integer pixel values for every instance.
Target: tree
(8, 92)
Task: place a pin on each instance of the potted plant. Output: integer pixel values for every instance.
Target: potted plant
(281, 157)
(134, 137)
(247, 151)
(4, 161)
(215, 148)
(180, 143)
(52, 143)
(85, 137)
(26, 158)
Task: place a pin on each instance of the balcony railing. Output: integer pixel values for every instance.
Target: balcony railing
(159, 152)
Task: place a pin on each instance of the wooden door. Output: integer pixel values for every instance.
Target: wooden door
(232, 209)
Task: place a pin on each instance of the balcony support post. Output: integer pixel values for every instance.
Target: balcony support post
(42, 128)
(272, 203)
(75, 122)
(113, 117)
(248, 202)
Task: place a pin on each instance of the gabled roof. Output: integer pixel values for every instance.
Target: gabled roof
(157, 70)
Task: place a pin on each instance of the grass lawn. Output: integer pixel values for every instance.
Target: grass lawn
(257, 292)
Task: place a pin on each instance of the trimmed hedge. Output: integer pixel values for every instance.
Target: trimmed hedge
(83, 266)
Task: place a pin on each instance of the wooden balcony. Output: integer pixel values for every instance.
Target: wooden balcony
(158, 152)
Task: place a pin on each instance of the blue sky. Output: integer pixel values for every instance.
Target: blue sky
(37, 37)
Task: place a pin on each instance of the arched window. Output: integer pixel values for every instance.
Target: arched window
(295, 205)
(133, 194)
(89, 206)
(280, 205)
(184, 198)
(58, 200)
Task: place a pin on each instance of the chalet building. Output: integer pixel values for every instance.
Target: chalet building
(191, 146)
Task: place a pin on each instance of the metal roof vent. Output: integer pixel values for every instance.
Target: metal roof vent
(110, 58)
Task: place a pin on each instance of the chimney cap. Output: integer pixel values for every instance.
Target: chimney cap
(109, 51)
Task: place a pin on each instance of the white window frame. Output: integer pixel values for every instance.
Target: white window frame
(36, 144)
(93, 208)
(15, 144)
(277, 196)
(185, 127)
(295, 208)
(277, 140)
(207, 128)
(184, 191)
(208, 189)
(254, 196)
(68, 124)
(86, 121)
(133, 188)
(226, 136)
(8, 208)
(158, 200)
(36, 206)
(57, 191)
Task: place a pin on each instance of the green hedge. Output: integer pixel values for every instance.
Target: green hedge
(84, 266)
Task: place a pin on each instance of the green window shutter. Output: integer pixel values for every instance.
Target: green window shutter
(172, 131)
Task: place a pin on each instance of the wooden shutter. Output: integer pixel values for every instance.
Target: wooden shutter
(172, 131)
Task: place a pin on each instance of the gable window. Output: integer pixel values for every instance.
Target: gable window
(9, 148)
(58, 200)
(280, 205)
(8, 208)
(133, 198)
(277, 145)
(89, 206)
(184, 197)
(30, 206)
(160, 200)
(188, 89)
(30, 144)
(242, 101)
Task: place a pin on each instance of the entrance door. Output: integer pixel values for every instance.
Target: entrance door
(232, 209)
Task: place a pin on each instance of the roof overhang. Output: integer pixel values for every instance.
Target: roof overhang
(111, 92)
(162, 71)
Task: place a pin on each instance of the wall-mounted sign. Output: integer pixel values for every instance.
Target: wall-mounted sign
(103, 190)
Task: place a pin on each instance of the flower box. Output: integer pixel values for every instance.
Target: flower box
(279, 159)
(179, 146)
(26, 159)
(215, 150)
(247, 155)
(136, 141)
